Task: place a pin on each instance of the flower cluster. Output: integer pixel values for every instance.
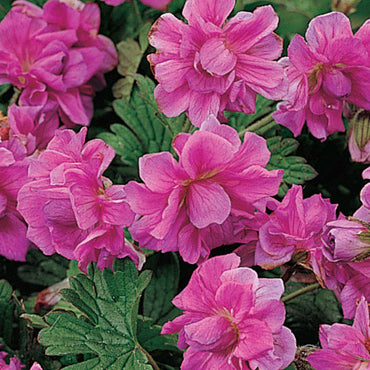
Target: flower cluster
(187, 205)
(71, 208)
(205, 67)
(333, 67)
(57, 58)
(232, 319)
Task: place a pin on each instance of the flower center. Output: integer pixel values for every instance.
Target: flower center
(314, 76)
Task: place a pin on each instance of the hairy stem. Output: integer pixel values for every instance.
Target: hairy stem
(149, 357)
(136, 11)
(262, 123)
(299, 292)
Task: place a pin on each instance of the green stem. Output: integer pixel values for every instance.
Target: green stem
(149, 357)
(136, 11)
(262, 123)
(299, 292)
(15, 96)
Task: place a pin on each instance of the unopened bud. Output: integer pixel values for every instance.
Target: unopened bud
(359, 137)
(344, 6)
(4, 128)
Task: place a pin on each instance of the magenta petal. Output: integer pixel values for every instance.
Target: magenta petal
(207, 203)
(264, 76)
(325, 28)
(171, 74)
(236, 298)
(84, 193)
(166, 33)
(245, 31)
(336, 84)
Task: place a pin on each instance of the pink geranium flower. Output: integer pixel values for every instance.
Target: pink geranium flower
(207, 65)
(232, 319)
(333, 67)
(156, 4)
(71, 209)
(188, 206)
(56, 57)
(343, 263)
(295, 226)
(344, 346)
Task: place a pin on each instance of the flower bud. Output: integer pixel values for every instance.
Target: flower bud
(344, 6)
(359, 137)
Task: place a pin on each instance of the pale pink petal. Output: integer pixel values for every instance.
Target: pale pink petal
(207, 203)
(213, 11)
(205, 152)
(174, 103)
(160, 171)
(216, 58)
(201, 106)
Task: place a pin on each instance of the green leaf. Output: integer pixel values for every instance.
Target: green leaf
(43, 270)
(5, 6)
(145, 130)
(306, 312)
(163, 286)
(150, 337)
(4, 88)
(129, 55)
(108, 302)
(240, 121)
(6, 311)
(34, 321)
(296, 169)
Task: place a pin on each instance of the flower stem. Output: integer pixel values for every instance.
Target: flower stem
(136, 11)
(297, 293)
(149, 357)
(264, 123)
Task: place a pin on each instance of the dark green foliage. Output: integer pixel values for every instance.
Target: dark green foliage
(296, 169)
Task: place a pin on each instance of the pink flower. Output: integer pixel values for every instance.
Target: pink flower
(188, 206)
(71, 209)
(56, 57)
(343, 263)
(344, 346)
(156, 4)
(13, 175)
(207, 65)
(332, 68)
(232, 319)
(295, 226)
